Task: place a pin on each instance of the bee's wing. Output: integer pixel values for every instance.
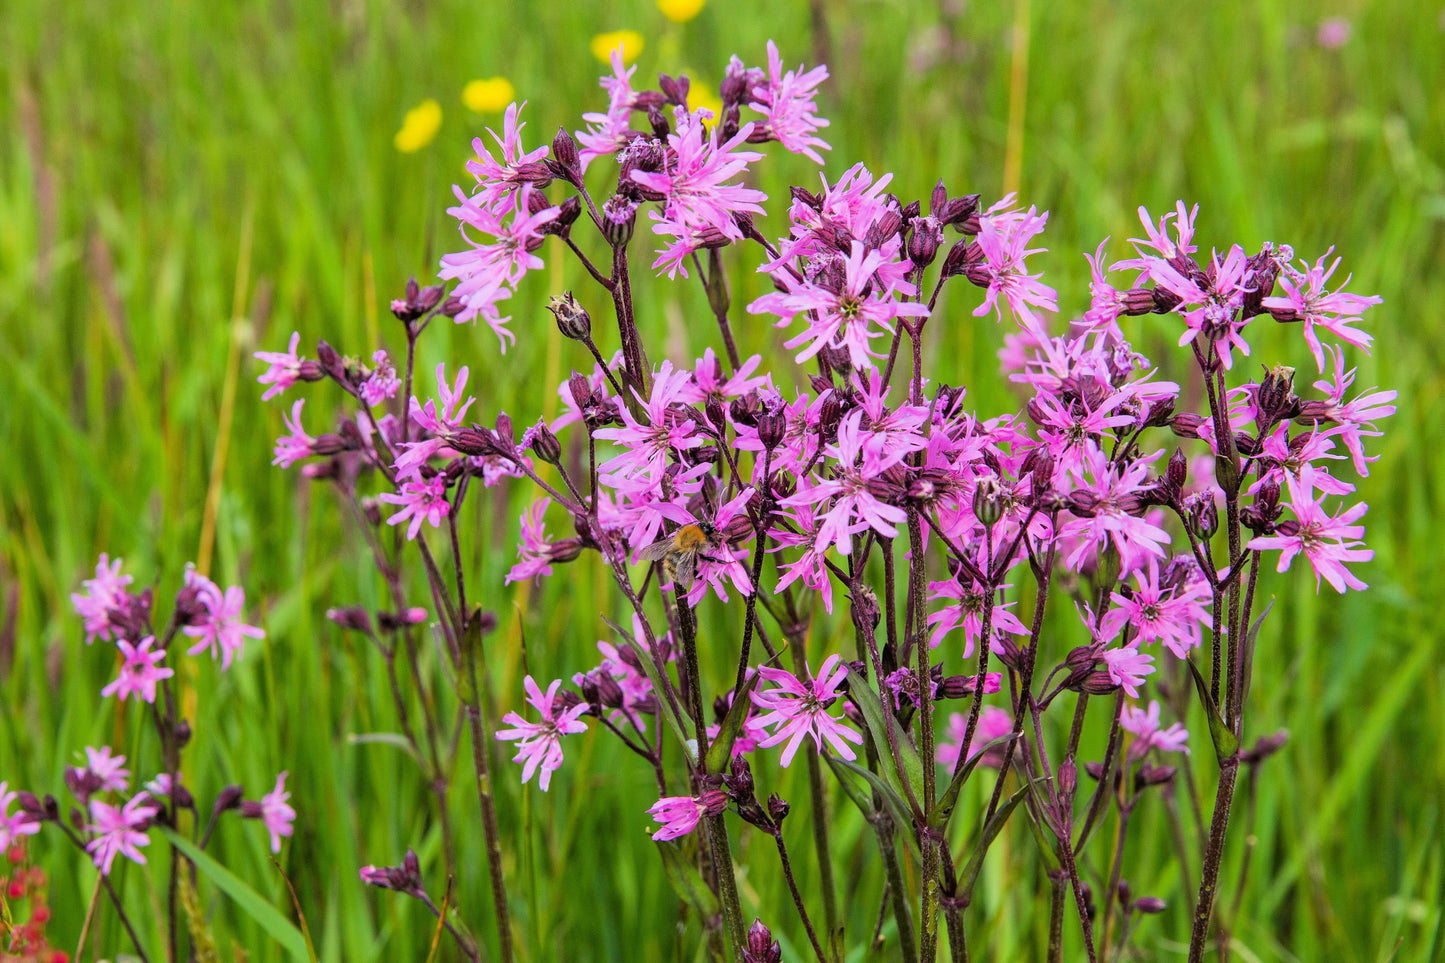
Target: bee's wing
(682, 576)
(657, 551)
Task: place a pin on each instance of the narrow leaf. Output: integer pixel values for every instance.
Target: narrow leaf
(383, 739)
(268, 917)
(896, 806)
(720, 751)
(664, 705)
(1248, 656)
(909, 783)
(691, 888)
(1225, 743)
(969, 876)
(849, 782)
(943, 810)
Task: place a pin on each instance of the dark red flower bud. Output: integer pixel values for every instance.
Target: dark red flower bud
(1149, 904)
(1177, 474)
(567, 161)
(618, 216)
(351, 617)
(761, 947)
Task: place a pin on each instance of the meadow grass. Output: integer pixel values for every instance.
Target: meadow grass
(183, 183)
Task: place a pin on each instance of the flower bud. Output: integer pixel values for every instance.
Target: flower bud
(229, 798)
(772, 425)
(1149, 904)
(778, 808)
(351, 617)
(761, 947)
(1152, 776)
(989, 497)
(572, 319)
(566, 162)
(1177, 474)
(545, 444)
(618, 217)
(1203, 514)
(924, 237)
(956, 259)
(1275, 399)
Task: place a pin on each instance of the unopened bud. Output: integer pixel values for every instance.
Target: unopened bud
(567, 161)
(572, 319)
(545, 444)
(1149, 904)
(761, 947)
(778, 808)
(351, 617)
(989, 497)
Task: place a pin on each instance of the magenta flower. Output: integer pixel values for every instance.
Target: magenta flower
(440, 422)
(1308, 300)
(109, 770)
(284, 370)
(139, 673)
(220, 629)
(534, 551)
(967, 611)
(1327, 542)
(1159, 241)
(382, 383)
(499, 181)
(1003, 237)
(274, 811)
(648, 443)
(1127, 667)
(1355, 419)
(423, 500)
(786, 99)
(103, 594)
(293, 447)
(993, 723)
(1172, 615)
(799, 709)
(12, 827)
(854, 504)
(1148, 733)
(679, 815)
(120, 831)
(539, 744)
(609, 132)
(1211, 310)
(1105, 505)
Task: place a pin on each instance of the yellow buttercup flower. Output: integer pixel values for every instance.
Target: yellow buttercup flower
(680, 11)
(629, 40)
(419, 127)
(699, 97)
(489, 96)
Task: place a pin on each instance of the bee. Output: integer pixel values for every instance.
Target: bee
(680, 551)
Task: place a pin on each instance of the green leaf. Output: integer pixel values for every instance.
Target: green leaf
(969, 876)
(896, 806)
(664, 705)
(943, 810)
(383, 739)
(1225, 743)
(909, 783)
(268, 917)
(721, 750)
(849, 782)
(1250, 638)
(691, 888)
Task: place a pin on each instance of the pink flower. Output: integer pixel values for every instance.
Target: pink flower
(799, 709)
(1354, 418)
(786, 99)
(535, 551)
(967, 610)
(12, 827)
(220, 629)
(1333, 33)
(1105, 507)
(853, 501)
(679, 815)
(1307, 300)
(1159, 240)
(1327, 542)
(1145, 726)
(993, 723)
(120, 831)
(139, 674)
(420, 501)
(1211, 302)
(382, 383)
(284, 370)
(104, 593)
(539, 744)
(1172, 615)
(1003, 237)
(109, 770)
(1127, 667)
(274, 811)
(609, 132)
(499, 181)
(440, 422)
(293, 447)
(648, 443)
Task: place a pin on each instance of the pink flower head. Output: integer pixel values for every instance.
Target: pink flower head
(293, 447)
(786, 99)
(219, 629)
(440, 422)
(609, 132)
(274, 811)
(109, 770)
(539, 744)
(499, 181)
(284, 370)
(647, 443)
(1105, 505)
(1355, 419)
(423, 500)
(534, 551)
(993, 723)
(966, 609)
(1308, 300)
(12, 827)
(382, 383)
(1003, 237)
(103, 594)
(1328, 542)
(1333, 33)
(799, 710)
(120, 830)
(1159, 241)
(854, 504)
(1210, 303)
(1127, 667)
(1149, 735)
(1172, 615)
(140, 672)
(489, 271)
(679, 815)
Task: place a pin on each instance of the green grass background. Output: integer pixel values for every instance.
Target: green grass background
(184, 182)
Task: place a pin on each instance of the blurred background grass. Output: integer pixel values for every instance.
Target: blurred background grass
(182, 183)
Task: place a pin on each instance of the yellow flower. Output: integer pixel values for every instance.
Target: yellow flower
(420, 126)
(629, 40)
(699, 96)
(488, 96)
(680, 11)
